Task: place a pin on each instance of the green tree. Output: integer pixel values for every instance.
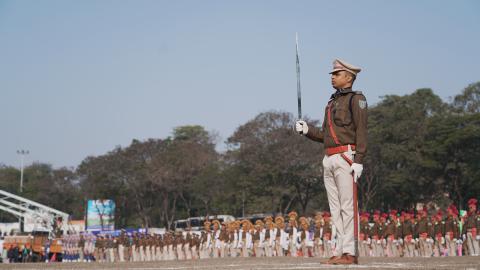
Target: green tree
(277, 170)
(398, 128)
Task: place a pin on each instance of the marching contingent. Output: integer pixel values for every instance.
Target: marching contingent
(392, 234)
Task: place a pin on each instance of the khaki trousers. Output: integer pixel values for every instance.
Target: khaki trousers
(204, 251)
(215, 252)
(121, 253)
(171, 253)
(409, 247)
(194, 252)
(318, 248)
(257, 249)
(188, 252)
(425, 247)
(438, 247)
(180, 253)
(451, 246)
(133, 258)
(306, 250)
(245, 252)
(363, 249)
(233, 252)
(472, 244)
(268, 248)
(377, 248)
(80, 254)
(158, 253)
(392, 248)
(223, 249)
(278, 248)
(293, 247)
(128, 253)
(111, 255)
(328, 250)
(339, 185)
(142, 253)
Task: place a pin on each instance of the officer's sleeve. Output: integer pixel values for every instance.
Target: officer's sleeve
(315, 133)
(359, 108)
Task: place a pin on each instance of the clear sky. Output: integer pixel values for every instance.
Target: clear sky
(78, 78)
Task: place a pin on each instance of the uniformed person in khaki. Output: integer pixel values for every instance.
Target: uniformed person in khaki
(470, 228)
(344, 135)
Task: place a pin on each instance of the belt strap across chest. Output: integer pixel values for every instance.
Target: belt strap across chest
(340, 149)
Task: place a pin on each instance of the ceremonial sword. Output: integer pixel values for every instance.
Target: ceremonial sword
(299, 90)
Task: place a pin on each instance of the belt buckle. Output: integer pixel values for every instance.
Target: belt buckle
(350, 151)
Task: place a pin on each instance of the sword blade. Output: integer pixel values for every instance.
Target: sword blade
(299, 90)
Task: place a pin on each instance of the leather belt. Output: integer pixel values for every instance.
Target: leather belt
(339, 149)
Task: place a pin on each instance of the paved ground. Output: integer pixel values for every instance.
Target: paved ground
(467, 263)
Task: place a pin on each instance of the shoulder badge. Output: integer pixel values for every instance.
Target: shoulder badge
(362, 104)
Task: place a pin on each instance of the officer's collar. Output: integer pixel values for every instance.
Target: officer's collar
(341, 91)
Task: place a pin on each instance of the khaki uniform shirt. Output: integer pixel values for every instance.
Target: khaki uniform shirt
(327, 228)
(451, 226)
(317, 231)
(390, 229)
(348, 130)
(439, 228)
(365, 228)
(377, 230)
(471, 222)
(407, 227)
(398, 229)
(423, 226)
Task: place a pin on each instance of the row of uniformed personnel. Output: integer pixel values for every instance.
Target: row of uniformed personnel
(394, 234)
(409, 235)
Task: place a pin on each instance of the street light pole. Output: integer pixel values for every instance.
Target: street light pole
(22, 154)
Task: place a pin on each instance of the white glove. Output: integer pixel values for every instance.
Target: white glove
(464, 236)
(357, 171)
(301, 127)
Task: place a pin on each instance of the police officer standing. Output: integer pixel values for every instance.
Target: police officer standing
(344, 134)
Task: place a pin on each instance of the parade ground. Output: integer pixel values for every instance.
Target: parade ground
(466, 263)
